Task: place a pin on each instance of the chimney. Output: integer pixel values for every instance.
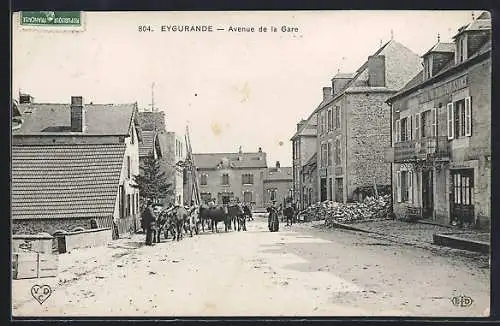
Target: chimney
(376, 71)
(277, 164)
(327, 93)
(77, 114)
(25, 99)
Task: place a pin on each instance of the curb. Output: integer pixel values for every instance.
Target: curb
(467, 245)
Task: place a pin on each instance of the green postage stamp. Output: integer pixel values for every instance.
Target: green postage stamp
(51, 20)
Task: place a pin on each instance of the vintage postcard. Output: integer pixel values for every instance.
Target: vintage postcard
(293, 163)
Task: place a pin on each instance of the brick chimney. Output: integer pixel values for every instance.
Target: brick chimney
(376, 71)
(327, 93)
(77, 114)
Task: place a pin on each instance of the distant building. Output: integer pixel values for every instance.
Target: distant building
(228, 177)
(354, 124)
(441, 132)
(278, 185)
(73, 163)
(309, 175)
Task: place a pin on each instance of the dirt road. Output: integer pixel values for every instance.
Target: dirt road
(299, 271)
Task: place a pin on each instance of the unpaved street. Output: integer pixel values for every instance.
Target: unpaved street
(298, 271)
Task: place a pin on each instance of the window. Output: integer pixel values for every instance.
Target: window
(324, 114)
(338, 112)
(330, 120)
(424, 126)
(128, 166)
(459, 118)
(225, 179)
(203, 179)
(462, 49)
(247, 197)
(338, 151)
(205, 197)
(405, 129)
(324, 154)
(273, 194)
(247, 179)
(329, 153)
(404, 186)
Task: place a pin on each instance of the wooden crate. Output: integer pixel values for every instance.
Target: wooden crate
(25, 265)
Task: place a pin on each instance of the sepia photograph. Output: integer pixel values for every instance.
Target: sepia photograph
(330, 163)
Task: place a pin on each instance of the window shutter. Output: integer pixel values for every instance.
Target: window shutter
(468, 117)
(451, 120)
(398, 186)
(434, 122)
(417, 126)
(398, 131)
(410, 128)
(410, 186)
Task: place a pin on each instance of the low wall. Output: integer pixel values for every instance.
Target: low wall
(84, 239)
(42, 244)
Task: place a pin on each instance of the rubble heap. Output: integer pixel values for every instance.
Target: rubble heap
(370, 208)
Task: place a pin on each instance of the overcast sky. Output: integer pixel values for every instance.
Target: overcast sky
(234, 89)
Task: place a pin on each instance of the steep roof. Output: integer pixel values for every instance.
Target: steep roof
(65, 181)
(400, 64)
(483, 22)
(146, 146)
(231, 160)
(441, 47)
(278, 174)
(449, 67)
(100, 119)
(309, 126)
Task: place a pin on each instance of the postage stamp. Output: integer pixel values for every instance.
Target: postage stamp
(51, 21)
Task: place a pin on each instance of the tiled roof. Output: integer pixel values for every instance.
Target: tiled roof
(480, 24)
(65, 181)
(418, 79)
(147, 144)
(246, 160)
(278, 174)
(101, 119)
(442, 47)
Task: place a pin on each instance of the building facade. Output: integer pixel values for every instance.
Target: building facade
(175, 152)
(229, 177)
(73, 163)
(354, 125)
(441, 139)
(303, 149)
(309, 182)
(277, 185)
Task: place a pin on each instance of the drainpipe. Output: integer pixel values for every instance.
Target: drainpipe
(392, 181)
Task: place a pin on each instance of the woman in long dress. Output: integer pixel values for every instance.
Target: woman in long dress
(273, 220)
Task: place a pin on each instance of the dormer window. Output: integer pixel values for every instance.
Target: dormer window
(427, 67)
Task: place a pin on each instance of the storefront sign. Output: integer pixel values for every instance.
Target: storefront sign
(444, 89)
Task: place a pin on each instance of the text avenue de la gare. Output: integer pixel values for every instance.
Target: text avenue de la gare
(211, 28)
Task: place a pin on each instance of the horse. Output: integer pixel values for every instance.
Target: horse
(215, 215)
(191, 220)
(289, 214)
(237, 214)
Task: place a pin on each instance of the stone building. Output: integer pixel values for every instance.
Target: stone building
(354, 124)
(309, 181)
(168, 147)
(277, 185)
(228, 177)
(304, 149)
(73, 163)
(441, 132)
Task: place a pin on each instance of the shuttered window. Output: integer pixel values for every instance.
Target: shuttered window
(410, 186)
(468, 117)
(417, 126)
(398, 186)
(434, 122)
(451, 120)
(398, 131)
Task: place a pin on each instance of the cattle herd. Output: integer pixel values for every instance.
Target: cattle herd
(177, 220)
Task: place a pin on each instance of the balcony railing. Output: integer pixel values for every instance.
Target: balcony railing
(434, 148)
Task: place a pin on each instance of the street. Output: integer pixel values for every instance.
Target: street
(298, 271)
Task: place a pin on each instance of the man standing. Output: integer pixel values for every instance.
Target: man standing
(147, 220)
